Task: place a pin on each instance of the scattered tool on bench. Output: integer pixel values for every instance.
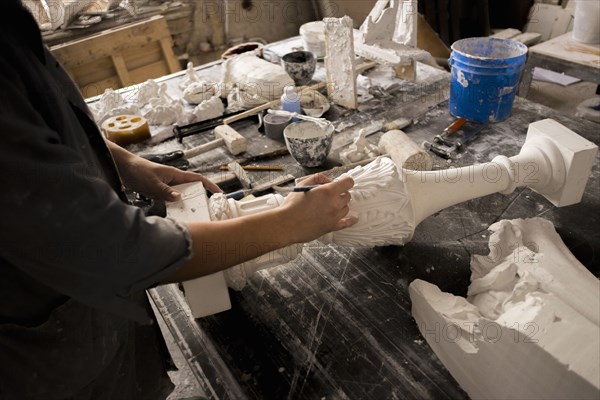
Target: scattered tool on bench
(255, 167)
(241, 174)
(448, 151)
(225, 135)
(240, 194)
(202, 126)
(453, 128)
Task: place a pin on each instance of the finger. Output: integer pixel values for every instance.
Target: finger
(344, 184)
(316, 179)
(345, 222)
(188, 176)
(346, 196)
(167, 193)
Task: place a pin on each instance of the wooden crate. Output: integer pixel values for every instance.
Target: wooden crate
(119, 57)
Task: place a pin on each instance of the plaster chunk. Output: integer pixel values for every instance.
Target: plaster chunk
(200, 91)
(111, 104)
(529, 326)
(208, 109)
(258, 81)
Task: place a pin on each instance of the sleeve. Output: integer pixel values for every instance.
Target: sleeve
(63, 225)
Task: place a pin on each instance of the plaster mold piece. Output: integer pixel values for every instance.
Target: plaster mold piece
(259, 81)
(339, 62)
(164, 110)
(207, 295)
(150, 90)
(208, 109)
(200, 91)
(359, 150)
(389, 36)
(111, 104)
(529, 327)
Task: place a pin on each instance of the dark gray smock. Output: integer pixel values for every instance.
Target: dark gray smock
(75, 258)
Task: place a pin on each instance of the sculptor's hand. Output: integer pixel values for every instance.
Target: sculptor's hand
(322, 210)
(154, 180)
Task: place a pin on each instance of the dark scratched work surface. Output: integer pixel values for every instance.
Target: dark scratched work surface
(336, 322)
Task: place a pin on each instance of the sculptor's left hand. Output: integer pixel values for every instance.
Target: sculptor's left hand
(154, 180)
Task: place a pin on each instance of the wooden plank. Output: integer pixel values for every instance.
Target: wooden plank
(93, 71)
(132, 53)
(166, 45)
(141, 74)
(121, 69)
(106, 43)
(97, 88)
(139, 58)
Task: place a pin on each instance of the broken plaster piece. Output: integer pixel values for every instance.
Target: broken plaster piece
(111, 104)
(208, 109)
(359, 150)
(199, 91)
(388, 36)
(529, 328)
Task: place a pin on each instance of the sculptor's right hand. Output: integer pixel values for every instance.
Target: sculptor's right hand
(321, 210)
(301, 218)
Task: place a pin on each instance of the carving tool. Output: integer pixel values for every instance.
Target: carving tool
(198, 127)
(304, 189)
(225, 135)
(255, 167)
(240, 194)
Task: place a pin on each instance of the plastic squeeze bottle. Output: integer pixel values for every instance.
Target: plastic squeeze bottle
(290, 101)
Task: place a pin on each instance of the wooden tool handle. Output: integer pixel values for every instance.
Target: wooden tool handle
(193, 152)
(456, 125)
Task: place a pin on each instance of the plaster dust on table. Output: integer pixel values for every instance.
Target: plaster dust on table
(529, 326)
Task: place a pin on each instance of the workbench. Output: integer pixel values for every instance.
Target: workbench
(336, 322)
(565, 55)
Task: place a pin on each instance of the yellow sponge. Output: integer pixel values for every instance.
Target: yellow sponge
(126, 129)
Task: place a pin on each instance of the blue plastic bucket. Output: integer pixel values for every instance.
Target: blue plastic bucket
(485, 76)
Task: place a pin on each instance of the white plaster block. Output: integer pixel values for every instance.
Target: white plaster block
(207, 295)
(578, 155)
